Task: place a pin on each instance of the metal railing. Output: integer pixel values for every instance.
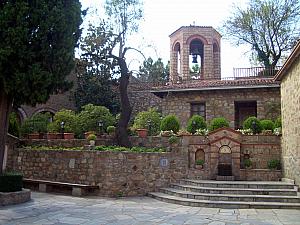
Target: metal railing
(253, 72)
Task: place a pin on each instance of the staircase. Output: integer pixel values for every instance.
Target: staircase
(231, 194)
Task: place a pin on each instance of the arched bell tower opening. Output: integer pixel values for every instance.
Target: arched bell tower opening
(195, 54)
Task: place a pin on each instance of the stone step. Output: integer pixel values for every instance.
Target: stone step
(230, 197)
(235, 190)
(222, 204)
(239, 184)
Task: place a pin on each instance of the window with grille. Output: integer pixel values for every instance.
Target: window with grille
(198, 109)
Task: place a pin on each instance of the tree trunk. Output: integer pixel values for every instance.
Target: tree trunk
(5, 107)
(121, 133)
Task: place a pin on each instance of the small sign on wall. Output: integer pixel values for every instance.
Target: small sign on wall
(163, 162)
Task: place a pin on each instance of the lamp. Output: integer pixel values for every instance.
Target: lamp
(62, 129)
(100, 124)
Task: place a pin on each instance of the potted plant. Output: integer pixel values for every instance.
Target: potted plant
(247, 163)
(274, 164)
(199, 164)
(142, 132)
(92, 139)
(86, 134)
(52, 133)
(111, 130)
(173, 140)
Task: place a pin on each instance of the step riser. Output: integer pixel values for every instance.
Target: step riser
(227, 206)
(257, 186)
(230, 198)
(238, 192)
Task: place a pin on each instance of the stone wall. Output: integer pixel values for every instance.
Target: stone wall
(290, 106)
(220, 103)
(138, 173)
(115, 173)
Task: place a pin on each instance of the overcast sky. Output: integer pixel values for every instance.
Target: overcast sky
(162, 17)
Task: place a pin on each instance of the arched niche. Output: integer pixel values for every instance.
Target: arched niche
(200, 155)
(196, 58)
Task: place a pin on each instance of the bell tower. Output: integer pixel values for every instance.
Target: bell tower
(195, 53)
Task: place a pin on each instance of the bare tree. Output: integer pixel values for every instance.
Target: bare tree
(124, 16)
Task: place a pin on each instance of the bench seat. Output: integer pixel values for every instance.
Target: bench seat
(48, 186)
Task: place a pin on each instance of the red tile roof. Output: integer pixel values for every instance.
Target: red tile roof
(218, 84)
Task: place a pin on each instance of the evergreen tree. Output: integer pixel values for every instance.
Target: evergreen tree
(37, 41)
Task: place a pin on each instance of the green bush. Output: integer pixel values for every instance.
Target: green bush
(148, 120)
(173, 140)
(91, 137)
(196, 122)
(267, 125)
(111, 129)
(274, 164)
(68, 117)
(91, 115)
(200, 162)
(11, 182)
(277, 123)
(170, 122)
(247, 163)
(217, 123)
(35, 124)
(14, 126)
(249, 124)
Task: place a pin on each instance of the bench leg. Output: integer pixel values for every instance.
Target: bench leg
(77, 191)
(42, 187)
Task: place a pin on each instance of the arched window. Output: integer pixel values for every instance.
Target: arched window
(196, 58)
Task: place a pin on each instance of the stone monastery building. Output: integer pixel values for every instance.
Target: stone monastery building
(249, 92)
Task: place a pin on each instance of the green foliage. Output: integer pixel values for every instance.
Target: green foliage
(274, 164)
(111, 129)
(52, 148)
(124, 149)
(261, 24)
(91, 115)
(153, 71)
(170, 122)
(217, 123)
(267, 125)
(37, 41)
(173, 140)
(252, 123)
(70, 122)
(14, 126)
(200, 162)
(95, 73)
(91, 137)
(247, 163)
(148, 120)
(277, 123)
(203, 132)
(36, 124)
(11, 182)
(195, 122)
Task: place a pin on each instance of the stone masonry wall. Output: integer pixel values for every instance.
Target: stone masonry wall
(219, 103)
(290, 106)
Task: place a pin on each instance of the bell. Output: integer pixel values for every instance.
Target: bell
(194, 59)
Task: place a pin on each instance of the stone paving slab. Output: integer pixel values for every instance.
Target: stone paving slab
(51, 209)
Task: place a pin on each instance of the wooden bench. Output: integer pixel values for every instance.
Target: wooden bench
(49, 186)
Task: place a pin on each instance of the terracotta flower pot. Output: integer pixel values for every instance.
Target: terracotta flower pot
(52, 135)
(68, 136)
(34, 136)
(142, 133)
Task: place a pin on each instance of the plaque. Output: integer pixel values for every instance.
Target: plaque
(225, 149)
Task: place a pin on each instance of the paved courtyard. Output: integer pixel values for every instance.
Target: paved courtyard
(59, 209)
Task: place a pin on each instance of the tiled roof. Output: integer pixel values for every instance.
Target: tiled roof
(218, 84)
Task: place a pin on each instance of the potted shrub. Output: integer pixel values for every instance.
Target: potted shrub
(142, 132)
(195, 122)
(36, 126)
(217, 123)
(111, 130)
(170, 123)
(11, 182)
(86, 134)
(149, 120)
(92, 139)
(274, 164)
(199, 164)
(247, 163)
(267, 125)
(252, 123)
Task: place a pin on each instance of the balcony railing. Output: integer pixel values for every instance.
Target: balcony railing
(255, 72)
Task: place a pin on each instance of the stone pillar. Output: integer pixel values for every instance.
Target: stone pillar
(185, 69)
